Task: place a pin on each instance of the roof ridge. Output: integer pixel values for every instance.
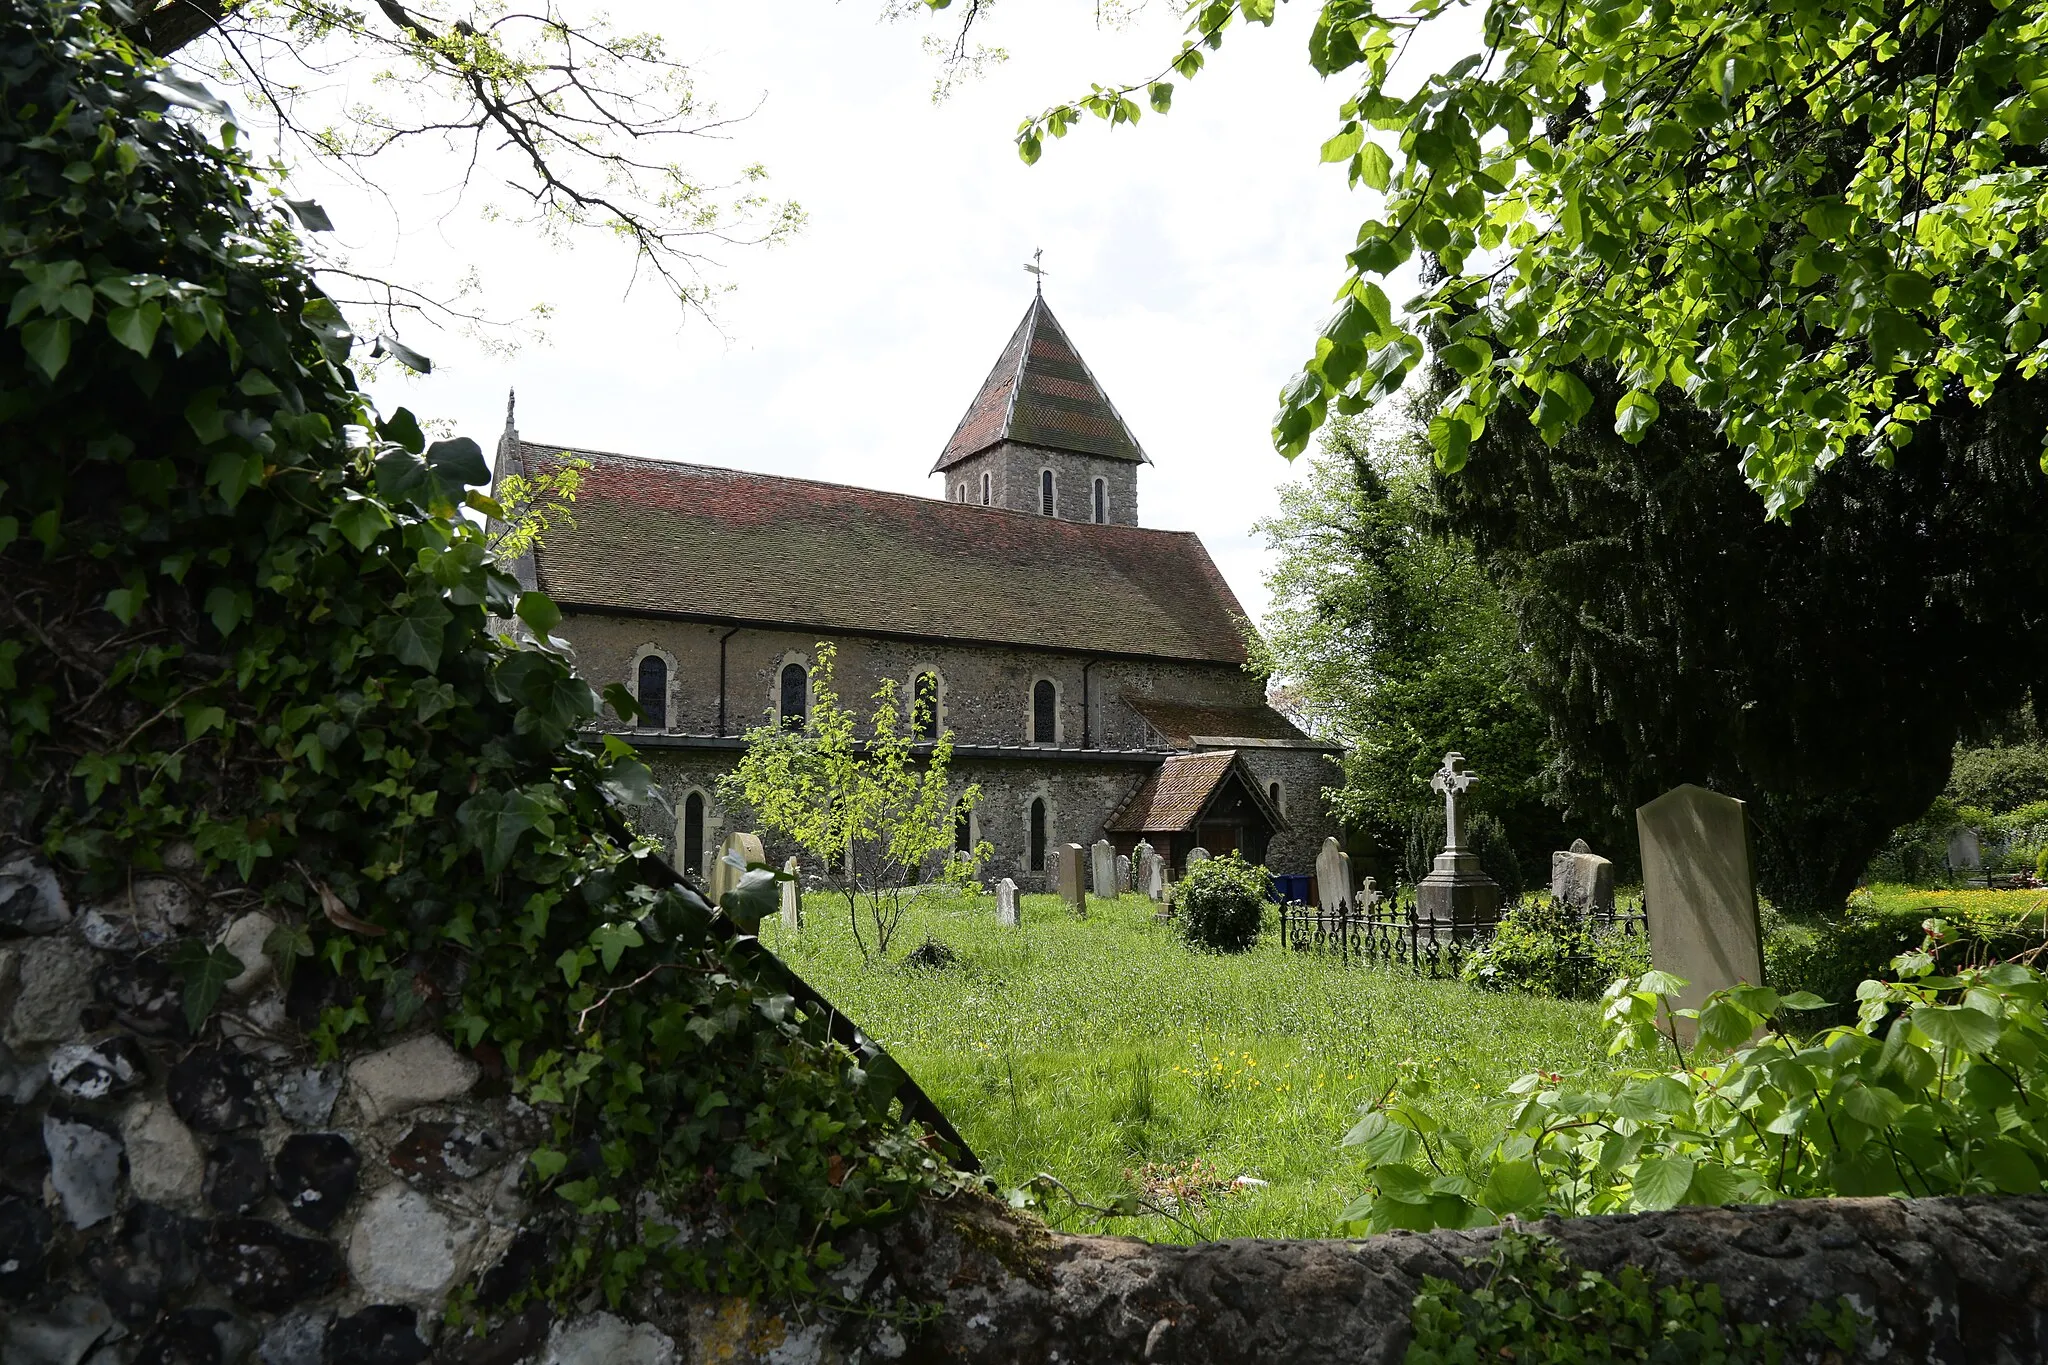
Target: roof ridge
(1093, 527)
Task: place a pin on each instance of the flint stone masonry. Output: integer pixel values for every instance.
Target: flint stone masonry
(165, 1165)
(405, 1247)
(421, 1070)
(605, 1339)
(32, 901)
(52, 985)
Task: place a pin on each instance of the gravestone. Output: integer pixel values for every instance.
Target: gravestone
(792, 899)
(1582, 879)
(1368, 897)
(1123, 874)
(1700, 893)
(1102, 869)
(1965, 854)
(1457, 890)
(1006, 903)
(1333, 877)
(1071, 888)
(1197, 854)
(723, 875)
(1152, 876)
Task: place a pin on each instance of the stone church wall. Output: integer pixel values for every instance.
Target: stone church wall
(1013, 470)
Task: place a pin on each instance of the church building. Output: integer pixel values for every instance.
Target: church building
(1090, 669)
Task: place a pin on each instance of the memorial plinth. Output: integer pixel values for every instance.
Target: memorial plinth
(1457, 890)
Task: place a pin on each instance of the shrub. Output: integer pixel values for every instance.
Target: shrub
(2001, 778)
(1489, 843)
(1830, 957)
(1222, 904)
(1940, 1086)
(1546, 948)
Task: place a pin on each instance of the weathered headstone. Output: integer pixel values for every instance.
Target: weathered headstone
(1965, 854)
(1700, 893)
(1006, 903)
(1582, 879)
(1333, 877)
(1457, 890)
(1071, 888)
(1197, 854)
(1123, 874)
(1152, 876)
(792, 899)
(1368, 897)
(1102, 869)
(724, 876)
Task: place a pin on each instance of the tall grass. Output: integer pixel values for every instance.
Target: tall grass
(1105, 1053)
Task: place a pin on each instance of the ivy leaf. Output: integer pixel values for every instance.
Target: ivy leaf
(753, 900)
(624, 704)
(204, 973)
(459, 461)
(403, 429)
(496, 821)
(402, 353)
(612, 940)
(361, 521)
(328, 326)
(48, 344)
(417, 636)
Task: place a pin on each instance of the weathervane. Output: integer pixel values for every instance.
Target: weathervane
(1035, 268)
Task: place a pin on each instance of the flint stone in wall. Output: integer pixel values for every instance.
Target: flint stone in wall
(97, 1071)
(156, 1255)
(85, 1169)
(164, 1162)
(144, 996)
(296, 1339)
(421, 1070)
(53, 985)
(31, 899)
(245, 939)
(236, 1176)
(405, 1248)
(306, 1096)
(382, 1334)
(59, 1336)
(316, 1174)
(212, 1091)
(602, 1339)
(260, 1265)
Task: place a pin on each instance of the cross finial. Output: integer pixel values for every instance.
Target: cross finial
(1038, 269)
(1453, 781)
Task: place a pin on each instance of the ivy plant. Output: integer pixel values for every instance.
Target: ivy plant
(1939, 1087)
(241, 613)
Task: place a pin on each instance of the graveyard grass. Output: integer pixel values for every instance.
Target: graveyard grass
(1094, 1049)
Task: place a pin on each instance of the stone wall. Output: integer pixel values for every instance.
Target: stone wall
(172, 1200)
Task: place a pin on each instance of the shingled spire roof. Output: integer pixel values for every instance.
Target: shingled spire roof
(1040, 393)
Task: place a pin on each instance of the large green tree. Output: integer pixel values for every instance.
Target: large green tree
(1392, 642)
(1818, 220)
(1822, 670)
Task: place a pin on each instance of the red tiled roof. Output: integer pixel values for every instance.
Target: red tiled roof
(1172, 796)
(1182, 723)
(1041, 393)
(657, 535)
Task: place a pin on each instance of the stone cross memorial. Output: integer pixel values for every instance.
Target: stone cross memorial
(1102, 869)
(1700, 893)
(1457, 890)
(792, 899)
(1006, 903)
(1071, 889)
(1582, 879)
(1333, 877)
(724, 875)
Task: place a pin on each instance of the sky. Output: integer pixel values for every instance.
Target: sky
(1190, 258)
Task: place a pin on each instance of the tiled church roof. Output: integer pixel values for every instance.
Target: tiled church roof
(656, 535)
(1184, 724)
(1041, 393)
(1173, 795)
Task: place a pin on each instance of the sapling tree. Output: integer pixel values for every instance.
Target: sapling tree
(877, 815)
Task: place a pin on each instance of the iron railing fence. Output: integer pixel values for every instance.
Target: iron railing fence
(1391, 931)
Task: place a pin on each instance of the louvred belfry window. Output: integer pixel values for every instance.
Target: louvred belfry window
(1045, 491)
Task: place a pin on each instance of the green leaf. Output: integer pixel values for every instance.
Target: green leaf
(755, 898)
(328, 326)
(1161, 95)
(136, 327)
(48, 344)
(1661, 1182)
(1513, 1187)
(1384, 1141)
(459, 461)
(203, 973)
(1344, 145)
(361, 521)
(1634, 414)
(612, 941)
(1956, 1026)
(124, 603)
(1803, 1000)
(539, 611)
(1375, 167)
(624, 704)
(496, 821)
(1909, 289)
(1870, 1104)
(403, 429)
(417, 636)
(1468, 357)
(2008, 1167)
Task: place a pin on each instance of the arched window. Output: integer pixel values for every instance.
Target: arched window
(1045, 712)
(1101, 501)
(693, 834)
(1038, 834)
(653, 691)
(963, 829)
(1045, 491)
(985, 490)
(1273, 791)
(795, 687)
(924, 706)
